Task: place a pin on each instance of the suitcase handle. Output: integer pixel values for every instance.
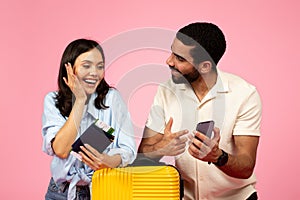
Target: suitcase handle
(141, 160)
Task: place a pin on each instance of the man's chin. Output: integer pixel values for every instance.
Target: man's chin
(179, 80)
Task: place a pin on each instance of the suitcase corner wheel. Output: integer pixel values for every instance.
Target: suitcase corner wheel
(137, 183)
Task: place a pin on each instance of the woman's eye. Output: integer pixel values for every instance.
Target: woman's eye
(100, 67)
(86, 66)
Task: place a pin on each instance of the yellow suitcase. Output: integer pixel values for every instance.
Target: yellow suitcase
(137, 183)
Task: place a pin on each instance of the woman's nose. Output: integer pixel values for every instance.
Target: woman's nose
(93, 71)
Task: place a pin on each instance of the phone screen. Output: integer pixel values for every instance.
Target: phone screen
(206, 128)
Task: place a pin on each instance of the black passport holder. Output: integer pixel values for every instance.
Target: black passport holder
(95, 137)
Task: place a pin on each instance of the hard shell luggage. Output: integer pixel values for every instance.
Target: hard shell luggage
(137, 183)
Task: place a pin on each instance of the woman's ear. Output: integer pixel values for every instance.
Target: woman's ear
(205, 67)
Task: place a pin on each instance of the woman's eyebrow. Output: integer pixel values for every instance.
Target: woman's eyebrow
(88, 61)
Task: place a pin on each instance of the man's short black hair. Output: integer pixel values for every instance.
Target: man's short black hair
(208, 39)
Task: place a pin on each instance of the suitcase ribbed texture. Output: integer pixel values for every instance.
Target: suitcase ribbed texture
(136, 183)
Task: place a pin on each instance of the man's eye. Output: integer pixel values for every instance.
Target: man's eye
(180, 58)
(86, 66)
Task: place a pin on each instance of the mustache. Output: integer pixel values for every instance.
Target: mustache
(173, 68)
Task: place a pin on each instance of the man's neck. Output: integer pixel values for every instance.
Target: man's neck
(203, 84)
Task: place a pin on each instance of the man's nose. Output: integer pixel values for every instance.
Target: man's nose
(170, 60)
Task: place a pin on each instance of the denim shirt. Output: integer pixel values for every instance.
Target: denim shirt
(116, 116)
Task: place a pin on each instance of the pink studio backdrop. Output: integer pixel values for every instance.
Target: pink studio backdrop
(263, 41)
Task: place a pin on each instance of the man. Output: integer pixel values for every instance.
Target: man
(199, 92)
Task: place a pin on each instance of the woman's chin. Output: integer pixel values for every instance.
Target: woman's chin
(90, 91)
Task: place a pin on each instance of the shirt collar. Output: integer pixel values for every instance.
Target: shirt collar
(221, 85)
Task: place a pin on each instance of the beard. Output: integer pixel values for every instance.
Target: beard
(185, 78)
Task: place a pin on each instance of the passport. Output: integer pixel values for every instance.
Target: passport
(98, 135)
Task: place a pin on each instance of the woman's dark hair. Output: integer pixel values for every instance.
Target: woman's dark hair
(65, 95)
(208, 39)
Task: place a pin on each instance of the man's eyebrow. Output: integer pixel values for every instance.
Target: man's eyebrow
(178, 56)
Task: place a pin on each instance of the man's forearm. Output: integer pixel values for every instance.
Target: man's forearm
(241, 166)
(151, 151)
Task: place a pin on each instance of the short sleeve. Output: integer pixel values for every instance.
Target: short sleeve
(249, 117)
(156, 117)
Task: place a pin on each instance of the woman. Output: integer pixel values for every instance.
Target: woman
(83, 97)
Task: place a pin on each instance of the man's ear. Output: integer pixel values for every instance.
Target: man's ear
(205, 67)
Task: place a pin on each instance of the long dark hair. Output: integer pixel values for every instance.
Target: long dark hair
(64, 95)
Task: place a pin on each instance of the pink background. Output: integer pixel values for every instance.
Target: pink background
(263, 47)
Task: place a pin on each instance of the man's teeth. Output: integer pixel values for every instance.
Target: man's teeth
(91, 81)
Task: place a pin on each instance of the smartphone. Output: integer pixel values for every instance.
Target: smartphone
(206, 128)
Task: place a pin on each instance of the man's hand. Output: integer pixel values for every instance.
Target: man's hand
(156, 145)
(204, 148)
(172, 144)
